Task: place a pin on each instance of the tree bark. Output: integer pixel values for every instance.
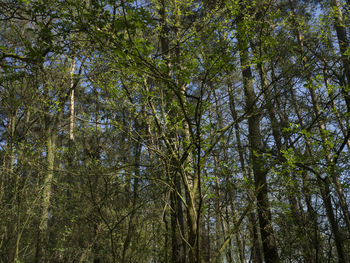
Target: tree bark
(41, 253)
(263, 207)
(72, 102)
(256, 251)
(133, 214)
(343, 46)
(277, 127)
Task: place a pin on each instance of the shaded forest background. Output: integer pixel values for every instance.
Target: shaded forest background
(174, 131)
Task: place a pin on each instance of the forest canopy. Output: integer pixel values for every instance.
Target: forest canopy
(178, 131)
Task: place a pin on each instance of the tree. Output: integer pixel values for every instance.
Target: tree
(174, 131)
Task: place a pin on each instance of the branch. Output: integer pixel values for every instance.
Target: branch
(233, 231)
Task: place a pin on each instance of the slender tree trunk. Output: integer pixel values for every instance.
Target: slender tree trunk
(344, 49)
(190, 172)
(343, 46)
(41, 253)
(276, 126)
(267, 233)
(220, 228)
(178, 252)
(326, 196)
(71, 103)
(7, 178)
(229, 257)
(9, 185)
(257, 255)
(312, 215)
(133, 214)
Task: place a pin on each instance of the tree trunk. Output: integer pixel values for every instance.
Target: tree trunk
(264, 214)
(178, 252)
(343, 46)
(41, 253)
(133, 214)
(71, 103)
(276, 127)
(256, 252)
